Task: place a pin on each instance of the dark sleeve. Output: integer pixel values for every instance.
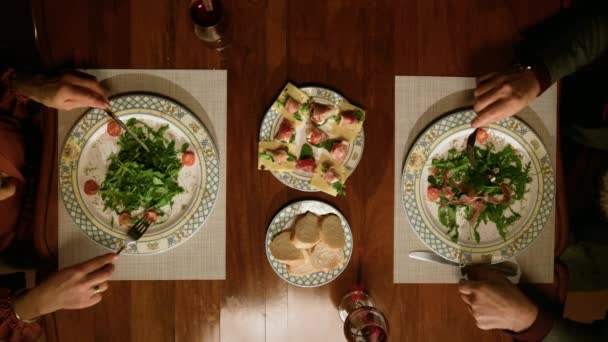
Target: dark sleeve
(565, 330)
(567, 42)
(549, 328)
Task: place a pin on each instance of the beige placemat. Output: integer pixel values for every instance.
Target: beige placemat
(418, 102)
(203, 256)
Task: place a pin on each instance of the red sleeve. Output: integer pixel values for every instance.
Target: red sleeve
(538, 330)
(13, 108)
(11, 328)
(7, 93)
(7, 167)
(5, 74)
(5, 77)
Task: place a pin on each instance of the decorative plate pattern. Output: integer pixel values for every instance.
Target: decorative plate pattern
(85, 154)
(270, 127)
(284, 219)
(536, 207)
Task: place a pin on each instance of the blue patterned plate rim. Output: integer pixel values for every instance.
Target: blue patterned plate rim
(541, 212)
(197, 215)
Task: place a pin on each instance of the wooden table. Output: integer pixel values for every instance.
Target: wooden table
(354, 46)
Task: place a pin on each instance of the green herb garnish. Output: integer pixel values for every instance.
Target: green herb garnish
(137, 179)
(306, 152)
(447, 217)
(360, 115)
(337, 118)
(267, 156)
(290, 157)
(498, 180)
(327, 144)
(339, 188)
(303, 109)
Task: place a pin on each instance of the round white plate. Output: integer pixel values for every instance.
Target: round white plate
(85, 157)
(452, 131)
(284, 220)
(297, 179)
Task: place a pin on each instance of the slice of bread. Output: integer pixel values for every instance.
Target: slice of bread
(326, 258)
(332, 232)
(284, 251)
(306, 232)
(301, 270)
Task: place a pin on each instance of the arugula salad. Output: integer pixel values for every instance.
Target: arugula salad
(483, 193)
(137, 180)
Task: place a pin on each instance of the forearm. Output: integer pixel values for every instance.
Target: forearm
(541, 327)
(12, 326)
(566, 43)
(27, 306)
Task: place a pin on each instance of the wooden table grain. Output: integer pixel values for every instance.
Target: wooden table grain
(354, 46)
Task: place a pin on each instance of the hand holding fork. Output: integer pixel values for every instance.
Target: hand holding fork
(135, 233)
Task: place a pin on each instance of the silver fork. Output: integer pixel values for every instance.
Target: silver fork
(135, 233)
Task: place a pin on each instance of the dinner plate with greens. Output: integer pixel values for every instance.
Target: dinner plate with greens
(108, 180)
(482, 208)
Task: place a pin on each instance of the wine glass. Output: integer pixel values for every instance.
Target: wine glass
(209, 22)
(362, 321)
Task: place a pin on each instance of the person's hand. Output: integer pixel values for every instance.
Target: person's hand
(500, 95)
(75, 287)
(69, 91)
(495, 303)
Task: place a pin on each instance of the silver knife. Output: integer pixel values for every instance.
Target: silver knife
(121, 124)
(507, 268)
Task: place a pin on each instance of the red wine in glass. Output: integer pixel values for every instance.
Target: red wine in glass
(362, 321)
(353, 300)
(209, 22)
(366, 324)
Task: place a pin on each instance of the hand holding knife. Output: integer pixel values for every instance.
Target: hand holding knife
(121, 124)
(509, 269)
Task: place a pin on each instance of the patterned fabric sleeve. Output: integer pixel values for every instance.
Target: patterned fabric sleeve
(6, 89)
(11, 328)
(13, 108)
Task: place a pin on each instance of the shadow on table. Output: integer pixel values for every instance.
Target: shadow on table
(143, 83)
(454, 102)
(463, 100)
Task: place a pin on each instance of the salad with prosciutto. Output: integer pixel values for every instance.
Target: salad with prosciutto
(484, 192)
